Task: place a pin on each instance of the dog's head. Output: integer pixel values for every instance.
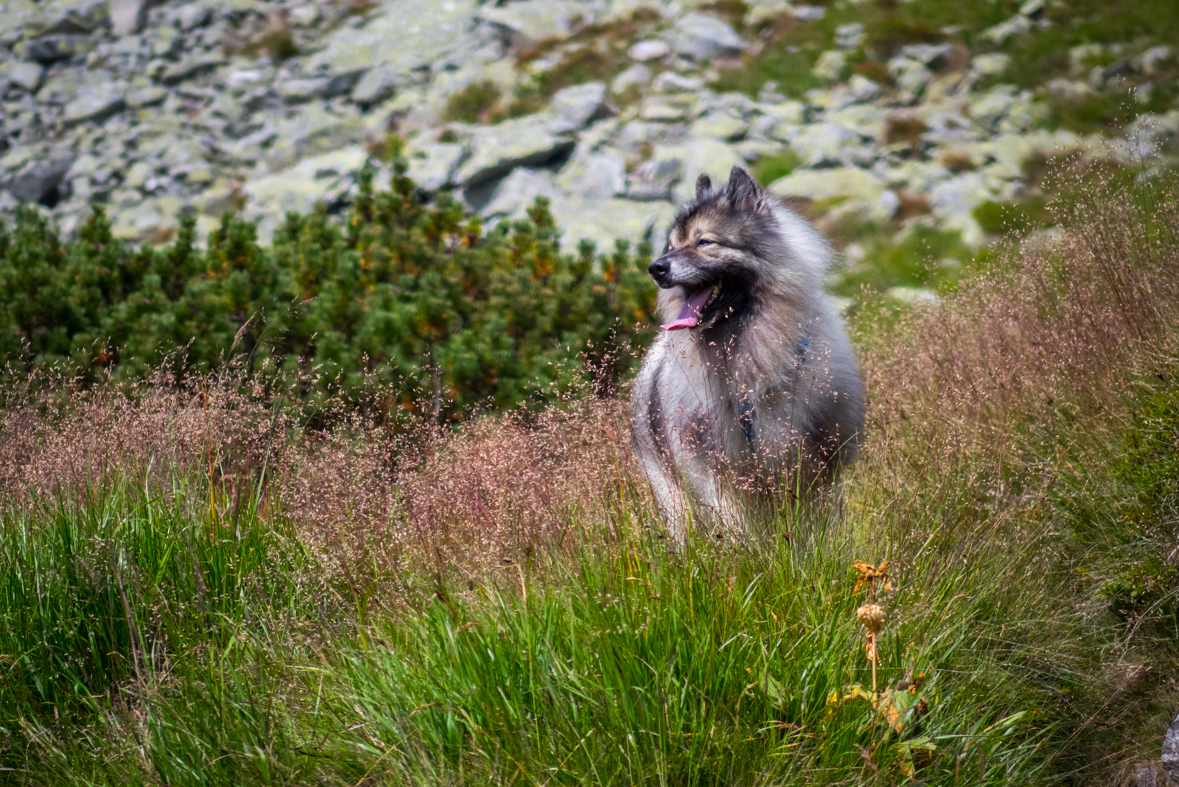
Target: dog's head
(730, 248)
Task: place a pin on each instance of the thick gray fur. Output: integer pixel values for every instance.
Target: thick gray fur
(763, 399)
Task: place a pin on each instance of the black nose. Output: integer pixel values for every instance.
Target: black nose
(659, 268)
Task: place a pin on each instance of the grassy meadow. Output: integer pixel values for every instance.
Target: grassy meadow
(200, 585)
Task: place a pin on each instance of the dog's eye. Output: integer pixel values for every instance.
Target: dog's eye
(705, 242)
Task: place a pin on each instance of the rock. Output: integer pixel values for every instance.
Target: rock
(990, 65)
(862, 88)
(1146, 776)
(1071, 89)
(138, 174)
(830, 66)
(574, 107)
(703, 37)
(193, 15)
(529, 21)
(516, 193)
(301, 187)
(954, 201)
(192, 66)
(305, 15)
(55, 49)
(71, 17)
(376, 85)
(95, 102)
(809, 13)
(24, 75)
(432, 167)
(1170, 757)
(307, 131)
(603, 223)
(849, 36)
(1153, 59)
(1016, 25)
(39, 180)
(128, 16)
(649, 50)
(425, 32)
(671, 82)
(847, 183)
(297, 91)
(636, 75)
(147, 96)
(151, 221)
(720, 125)
(664, 109)
(829, 143)
(497, 150)
(594, 175)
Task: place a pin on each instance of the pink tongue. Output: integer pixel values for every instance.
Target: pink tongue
(690, 314)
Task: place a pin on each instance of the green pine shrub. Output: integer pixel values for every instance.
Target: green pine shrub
(401, 307)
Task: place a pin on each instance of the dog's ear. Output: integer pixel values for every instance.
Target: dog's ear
(744, 191)
(703, 186)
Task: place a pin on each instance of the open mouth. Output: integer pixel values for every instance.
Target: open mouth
(694, 307)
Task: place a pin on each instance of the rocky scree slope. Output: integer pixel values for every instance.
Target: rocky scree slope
(608, 108)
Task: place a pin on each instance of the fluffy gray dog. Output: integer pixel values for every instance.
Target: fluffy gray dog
(751, 394)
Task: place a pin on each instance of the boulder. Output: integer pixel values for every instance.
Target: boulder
(528, 22)
(516, 193)
(37, 181)
(22, 74)
(604, 222)
(192, 67)
(95, 102)
(128, 16)
(300, 188)
(432, 167)
(703, 37)
(705, 156)
(840, 183)
(497, 150)
(1170, 757)
(649, 50)
(573, 108)
(594, 175)
(424, 32)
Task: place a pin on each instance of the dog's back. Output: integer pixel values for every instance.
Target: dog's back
(752, 390)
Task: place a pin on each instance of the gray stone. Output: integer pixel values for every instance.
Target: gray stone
(297, 91)
(604, 222)
(377, 85)
(497, 150)
(432, 167)
(518, 191)
(193, 15)
(665, 109)
(990, 64)
(96, 102)
(826, 143)
(840, 183)
(308, 130)
(703, 37)
(23, 74)
(147, 96)
(192, 67)
(38, 180)
(636, 75)
(424, 32)
(529, 21)
(68, 17)
(671, 82)
(55, 49)
(720, 125)
(1016, 25)
(830, 65)
(128, 16)
(574, 107)
(649, 50)
(314, 180)
(594, 175)
(1170, 757)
